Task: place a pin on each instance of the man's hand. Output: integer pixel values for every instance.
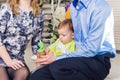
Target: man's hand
(46, 59)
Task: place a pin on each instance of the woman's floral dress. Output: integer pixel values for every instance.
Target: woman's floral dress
(17, 31)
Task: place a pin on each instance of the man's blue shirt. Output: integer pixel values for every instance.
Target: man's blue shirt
(93, 28)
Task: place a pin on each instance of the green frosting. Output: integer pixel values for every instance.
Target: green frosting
(41, 46)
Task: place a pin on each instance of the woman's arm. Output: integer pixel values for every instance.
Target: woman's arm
(15, 64)
(4, 55)
(4, 17)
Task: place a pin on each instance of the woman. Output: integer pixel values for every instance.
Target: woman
(20, 21)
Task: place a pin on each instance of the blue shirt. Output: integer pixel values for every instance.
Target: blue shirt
(93, 28)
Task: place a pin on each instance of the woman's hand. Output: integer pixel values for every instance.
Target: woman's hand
(15, 64)
(46, 59)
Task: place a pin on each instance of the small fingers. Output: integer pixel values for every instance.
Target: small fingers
(47, 50)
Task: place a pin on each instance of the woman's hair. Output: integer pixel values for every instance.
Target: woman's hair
(15, 3)
(66, 23)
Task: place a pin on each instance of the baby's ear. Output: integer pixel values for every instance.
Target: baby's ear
(72, 35)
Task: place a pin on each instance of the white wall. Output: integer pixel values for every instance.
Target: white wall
(115, 4)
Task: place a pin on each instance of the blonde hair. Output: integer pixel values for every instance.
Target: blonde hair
(15, 3)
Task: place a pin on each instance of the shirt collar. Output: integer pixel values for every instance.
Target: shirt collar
(84, 3)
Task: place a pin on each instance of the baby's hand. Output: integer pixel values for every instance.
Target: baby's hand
(47, 50)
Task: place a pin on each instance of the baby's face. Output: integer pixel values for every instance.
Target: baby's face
(65, 35)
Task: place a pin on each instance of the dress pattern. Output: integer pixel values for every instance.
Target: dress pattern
(17, 31)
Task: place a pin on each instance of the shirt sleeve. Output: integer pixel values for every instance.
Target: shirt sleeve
(38, 36)
(4, 17)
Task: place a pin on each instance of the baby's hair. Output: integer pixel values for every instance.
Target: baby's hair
(66, 23)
